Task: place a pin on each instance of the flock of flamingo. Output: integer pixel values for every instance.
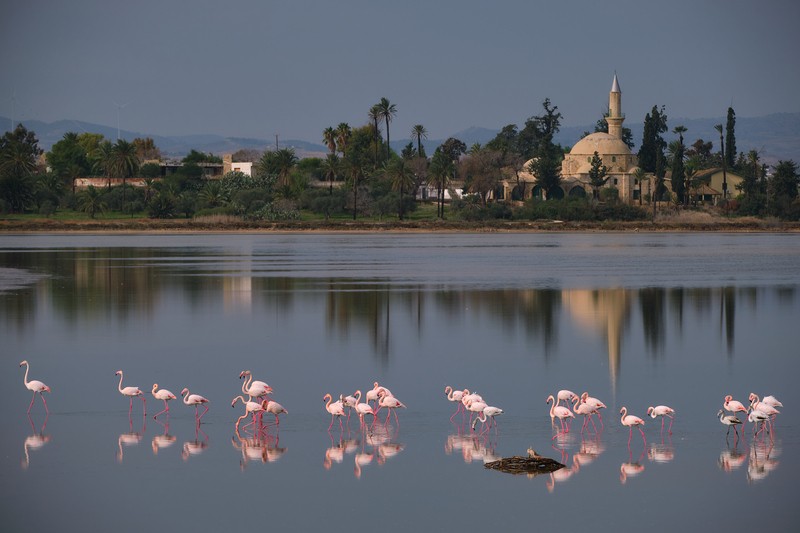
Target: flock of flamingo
(760, 412)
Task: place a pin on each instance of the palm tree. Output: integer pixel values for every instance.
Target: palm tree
(374, 116)
(355, 173)
(387, 112)
(285, 161)
(331, 166)
(91, 201)
(124, 162)
(401, 177)
(419, 132)
(329, 138)
(103, 160)
(212, 194)
(441, 169)
(343, 134)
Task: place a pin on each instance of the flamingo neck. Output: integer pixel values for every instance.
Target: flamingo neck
(186, 397)
(25, 379)
(120, 382)
(624, 414)
(246, 383)
(552, 402)
(357, 396)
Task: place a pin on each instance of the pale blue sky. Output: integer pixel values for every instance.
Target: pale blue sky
(254, 68)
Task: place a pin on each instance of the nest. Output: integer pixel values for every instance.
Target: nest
(531, 465)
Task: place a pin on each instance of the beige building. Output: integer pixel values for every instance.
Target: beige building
(611, 149)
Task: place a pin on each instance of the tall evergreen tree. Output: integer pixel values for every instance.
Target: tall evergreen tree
(730, 139)
(598, 175)
(655, 123)
(546, 163)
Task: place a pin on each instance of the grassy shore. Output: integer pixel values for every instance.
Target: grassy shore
(668, 222)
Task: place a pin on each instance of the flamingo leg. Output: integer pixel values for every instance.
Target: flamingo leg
(671, 420)
(602, 426)
(33, 398)
(204, 413)
(643, 438)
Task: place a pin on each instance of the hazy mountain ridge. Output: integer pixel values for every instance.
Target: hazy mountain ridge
(775, 136)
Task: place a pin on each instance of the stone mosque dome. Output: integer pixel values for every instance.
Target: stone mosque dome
(602, 143)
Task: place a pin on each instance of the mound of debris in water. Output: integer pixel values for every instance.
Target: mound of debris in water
(533, 464)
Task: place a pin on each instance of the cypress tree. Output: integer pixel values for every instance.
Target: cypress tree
(730, 139)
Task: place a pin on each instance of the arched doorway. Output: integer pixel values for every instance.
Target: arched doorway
(577, 192)
(556, 193)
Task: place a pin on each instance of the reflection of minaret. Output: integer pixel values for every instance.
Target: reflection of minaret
(604, 311)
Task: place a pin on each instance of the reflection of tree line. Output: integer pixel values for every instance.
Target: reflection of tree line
(115, 282)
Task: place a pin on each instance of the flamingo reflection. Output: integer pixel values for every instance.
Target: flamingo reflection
(164, 440)
(131, 438)
(761, 460)
(731, 459)
(196, 447)
(631, 468)
(34, 441)
(264, 449)
(590, 450)
(661, 453)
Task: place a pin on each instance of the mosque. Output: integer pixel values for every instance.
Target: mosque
(611, 149)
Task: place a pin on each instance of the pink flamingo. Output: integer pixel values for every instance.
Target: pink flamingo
(733, 406)
(586, 410)
(196, 400)
(764, 407)
(566, 396)
(454, 396)
(274, 408)
(250, 408)
(130, 392)
(729, 420)
(336, 409)
(662, 411)
(489, 412)
(254, 389)
(363, 409)
(475, 407)
(35, 386)
(597, 404)
(772, 401)
(372, 395)
(162, 394)
(560, 412)
(630, 421)
(390, 403)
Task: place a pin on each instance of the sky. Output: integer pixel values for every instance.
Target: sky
(260, 68)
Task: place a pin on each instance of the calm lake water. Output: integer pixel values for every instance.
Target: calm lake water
(635, 319)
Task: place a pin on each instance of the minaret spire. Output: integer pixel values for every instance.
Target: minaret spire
(615, 116)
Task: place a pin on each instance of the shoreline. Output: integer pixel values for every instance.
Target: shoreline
(156, 226)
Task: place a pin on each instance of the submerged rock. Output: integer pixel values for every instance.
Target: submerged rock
(533, 464)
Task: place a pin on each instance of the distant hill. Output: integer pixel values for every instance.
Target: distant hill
(775, 136)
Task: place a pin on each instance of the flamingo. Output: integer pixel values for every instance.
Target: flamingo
(560, 412)
(733, 406)
(630, 421)
(729, 420)
(162, 394)
(254, 389)
(597, 404)
(130, 392)
(390, 403)
(755, 416)
(274, 408)
(662, 411)
(772, 401)
(372, 395)
(35, 386)
(363, 409)
(196, 400)
(349, 402)
(586, 410)
(336, 409)
(488, 412)
(764, 407)
(454, 396)
(250, 407)
(566, 396)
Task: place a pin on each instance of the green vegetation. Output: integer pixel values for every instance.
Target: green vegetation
(362, 178)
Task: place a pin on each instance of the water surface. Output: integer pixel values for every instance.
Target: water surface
(637, 320)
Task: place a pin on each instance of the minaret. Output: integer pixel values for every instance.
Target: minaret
(615, 117)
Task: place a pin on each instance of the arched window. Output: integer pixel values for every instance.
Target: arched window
(615, 181)
(613, 159)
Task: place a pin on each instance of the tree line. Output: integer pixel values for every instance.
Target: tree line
(361, 175)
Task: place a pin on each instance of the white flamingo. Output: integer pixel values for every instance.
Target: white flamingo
(130, 392)
(36, 386)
